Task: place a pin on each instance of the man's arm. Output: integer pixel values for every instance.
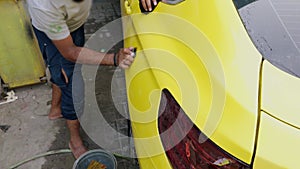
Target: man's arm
(87, 56)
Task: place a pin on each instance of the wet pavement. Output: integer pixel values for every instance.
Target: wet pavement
(25, 130)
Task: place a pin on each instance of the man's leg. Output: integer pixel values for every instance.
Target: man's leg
(48, 50)
(76, 144)
(55, 110)
(72, 101)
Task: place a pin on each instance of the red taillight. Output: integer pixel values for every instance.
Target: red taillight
(181, 140)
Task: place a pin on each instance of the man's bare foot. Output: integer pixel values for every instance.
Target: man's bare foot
(77, 150)
(55, 113)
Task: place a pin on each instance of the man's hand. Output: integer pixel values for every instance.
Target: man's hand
(147, 4)
(125, 58)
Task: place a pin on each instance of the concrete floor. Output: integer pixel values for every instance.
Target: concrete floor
(30, 132)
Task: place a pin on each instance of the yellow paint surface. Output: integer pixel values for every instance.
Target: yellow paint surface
(21, 62)
(201, 53)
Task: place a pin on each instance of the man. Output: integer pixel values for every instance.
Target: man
(58, 25)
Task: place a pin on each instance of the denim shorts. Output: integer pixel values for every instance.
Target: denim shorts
(72, 99)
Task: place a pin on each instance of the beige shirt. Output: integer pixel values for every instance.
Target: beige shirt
(57, 18)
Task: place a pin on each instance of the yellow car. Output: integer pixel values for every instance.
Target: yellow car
(215, 83)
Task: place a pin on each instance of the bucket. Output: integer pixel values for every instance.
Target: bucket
(98, 155)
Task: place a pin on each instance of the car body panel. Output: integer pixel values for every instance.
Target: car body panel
(279, 90)
(277, 149)
(200, 58)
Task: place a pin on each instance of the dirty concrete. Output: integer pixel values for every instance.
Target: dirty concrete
(31, 133)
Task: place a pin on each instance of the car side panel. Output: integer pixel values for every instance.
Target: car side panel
(279, 149)
(280, 94)
(201, 53)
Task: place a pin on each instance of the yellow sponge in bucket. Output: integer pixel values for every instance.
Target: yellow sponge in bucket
(97, 155)
(96, 165)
